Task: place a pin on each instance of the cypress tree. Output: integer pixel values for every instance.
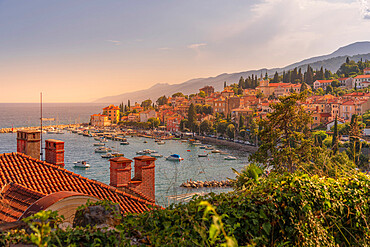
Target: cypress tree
(347, 60)
(276, 77)
(241, 82)
(128, 104)
(335, 136)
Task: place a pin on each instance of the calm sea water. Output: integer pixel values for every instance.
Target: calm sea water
(169, 174)
(28, 114)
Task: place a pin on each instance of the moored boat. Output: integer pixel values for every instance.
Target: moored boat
(174, 157)
(203, 155)
(81, 164)
(124, 143)
(230, 157)
(107, 155)
(216, 151)
(99, 144)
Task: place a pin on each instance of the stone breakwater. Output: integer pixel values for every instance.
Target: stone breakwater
(201, 184)
(233, 145)
(15, 129)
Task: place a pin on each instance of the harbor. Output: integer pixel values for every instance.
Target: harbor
(169, 174)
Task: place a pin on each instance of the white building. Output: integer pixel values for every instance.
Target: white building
(361, 78)
(321, 84)
(99, 120)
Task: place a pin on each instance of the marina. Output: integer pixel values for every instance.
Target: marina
(169, 174)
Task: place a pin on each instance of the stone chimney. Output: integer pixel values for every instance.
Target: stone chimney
(28, 142)
(144, 179)
(54, 152)
(120, 172)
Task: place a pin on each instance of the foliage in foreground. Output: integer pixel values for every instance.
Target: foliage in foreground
(280, 210)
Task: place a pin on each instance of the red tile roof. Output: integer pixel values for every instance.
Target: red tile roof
(362, 76)
(15, 199)
(45, 178)
(324, 81)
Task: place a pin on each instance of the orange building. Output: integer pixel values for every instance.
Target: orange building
(112, 112)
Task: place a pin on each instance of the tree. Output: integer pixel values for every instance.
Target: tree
(335, 136)
(347, 60)
(276, 78)
(286, 144)
(221, 127)
(309, 75)
(241, 82)
(224, 84)
(153, 122)
(230, 131)
(192, 115)
(146, 103)
(202, 94)
(241, 122)
(183, 124)
(319, 92)
(178, 94)
(128, 104)
(329, 89)
(162, 100)
(205, 126)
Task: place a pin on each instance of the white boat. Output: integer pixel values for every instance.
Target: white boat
(103, 140)
(230, 157)
(202, 147)
(202, 155)
(209, 148)
(97, 138)
(224, 153)
(216, 151)
(107, 155)
(156, 155)
(81, 164)
(161, 142)
(99, 144)
(174, 157)
(124, 143)
(197, 143)
(59, 132)
(117, 154)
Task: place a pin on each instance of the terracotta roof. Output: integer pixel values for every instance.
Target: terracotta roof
(362, 76)
(281, 84)
(111, 107)
(15, 199)
(44, 178)
(324, 81)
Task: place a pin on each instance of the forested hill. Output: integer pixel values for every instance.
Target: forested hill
(192, 86)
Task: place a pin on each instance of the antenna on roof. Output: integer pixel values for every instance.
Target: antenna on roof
(41, 154)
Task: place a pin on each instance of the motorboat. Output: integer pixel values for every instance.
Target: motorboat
(145, 142)
(97, 138)
(124, 143)
(230, 157)
(209, 148)
(184, 140)
(59, 132)
(107, 155)
(99, 144)
(197, 143)
(145, 151)
(203, 155)
(224, 153)
(174, 157)
(161, 142)
(117, 154)
(202, 147)
(156, 155)
(216, 151)
(81, 164)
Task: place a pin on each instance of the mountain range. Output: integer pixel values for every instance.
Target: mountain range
(355, 51)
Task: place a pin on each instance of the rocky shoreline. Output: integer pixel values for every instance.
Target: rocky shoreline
(15, 129)
(201, 184)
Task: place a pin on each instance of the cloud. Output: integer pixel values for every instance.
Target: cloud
(115, 42)
(196, 46)
(364, 8)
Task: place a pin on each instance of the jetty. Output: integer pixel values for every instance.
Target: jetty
(201, 184)
(59, 126)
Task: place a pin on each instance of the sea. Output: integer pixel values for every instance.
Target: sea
(169, 175)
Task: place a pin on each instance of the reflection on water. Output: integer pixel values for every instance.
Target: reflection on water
(169, 174)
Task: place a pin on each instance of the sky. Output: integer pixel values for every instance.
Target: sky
(81, 50)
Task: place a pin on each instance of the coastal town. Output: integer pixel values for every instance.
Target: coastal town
(243, 107)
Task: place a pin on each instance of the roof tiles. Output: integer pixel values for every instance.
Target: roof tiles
(43, 178)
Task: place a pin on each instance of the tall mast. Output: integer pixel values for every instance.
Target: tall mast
(41, 154)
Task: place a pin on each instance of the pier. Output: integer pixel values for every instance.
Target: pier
(237, 146)
(59, 126)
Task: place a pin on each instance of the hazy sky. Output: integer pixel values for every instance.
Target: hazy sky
(80, 50)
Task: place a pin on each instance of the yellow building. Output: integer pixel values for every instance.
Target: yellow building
(112, 112)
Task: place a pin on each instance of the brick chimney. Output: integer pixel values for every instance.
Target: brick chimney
(120, 172)
(28, 142)
(54, 152)
(145, 172)
(143, 181)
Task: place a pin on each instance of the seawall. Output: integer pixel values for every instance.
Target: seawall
(238, 146)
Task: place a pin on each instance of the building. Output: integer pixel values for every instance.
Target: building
(29, 185)
(99, 120)
(321, 84)
(197, 100)
(145, 115)
(227, 93)
(173, 124)
(367, 71)
(112, 112)
(209, 90)
(361, 78)
(285, 89)
(220, 105)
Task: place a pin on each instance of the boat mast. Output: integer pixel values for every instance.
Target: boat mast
(41, 154)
